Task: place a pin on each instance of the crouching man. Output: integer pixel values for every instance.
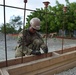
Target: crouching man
(31, 41)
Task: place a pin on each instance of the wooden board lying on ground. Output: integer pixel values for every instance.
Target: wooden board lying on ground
(45, 65)
(32, 58)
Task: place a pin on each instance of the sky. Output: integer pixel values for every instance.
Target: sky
(31, 4)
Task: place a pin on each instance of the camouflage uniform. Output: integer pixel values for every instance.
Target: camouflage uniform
(28, 43)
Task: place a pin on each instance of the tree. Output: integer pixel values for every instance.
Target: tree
(14, 26)
(19, 30)
(9, 28)
(16, 22)
(55, 17)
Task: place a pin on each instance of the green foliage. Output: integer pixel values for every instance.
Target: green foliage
(16, 22)
(19, 30)
(13, 27)
(8, 27)
(55, 18)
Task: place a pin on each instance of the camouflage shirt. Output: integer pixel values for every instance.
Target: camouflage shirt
(28, 38)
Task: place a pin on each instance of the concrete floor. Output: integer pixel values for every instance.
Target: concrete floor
(54, 44)
(68, 72)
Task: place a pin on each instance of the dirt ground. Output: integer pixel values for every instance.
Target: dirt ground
(53, 45)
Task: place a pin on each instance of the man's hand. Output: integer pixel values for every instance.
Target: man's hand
(45, 50)
(36, 52)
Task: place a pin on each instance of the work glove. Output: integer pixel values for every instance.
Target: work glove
(45, 50)
(36, 52)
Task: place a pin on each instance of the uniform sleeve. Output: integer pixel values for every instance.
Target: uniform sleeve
(40, 37)
(20, 38)
(43, 46)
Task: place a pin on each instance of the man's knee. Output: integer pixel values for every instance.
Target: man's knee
(37, 41)
(18, 53)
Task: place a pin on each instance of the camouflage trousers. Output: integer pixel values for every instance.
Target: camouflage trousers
(36, 45)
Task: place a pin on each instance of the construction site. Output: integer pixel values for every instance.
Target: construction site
(60, 59)
(46, 64)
